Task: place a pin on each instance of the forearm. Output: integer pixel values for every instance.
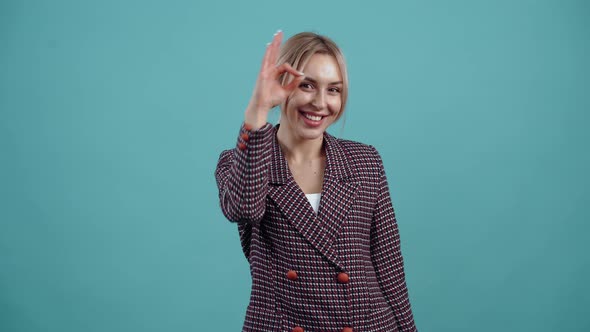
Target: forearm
(242, 175)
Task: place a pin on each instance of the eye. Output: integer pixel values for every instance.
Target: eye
(334, 90)
(306, 86)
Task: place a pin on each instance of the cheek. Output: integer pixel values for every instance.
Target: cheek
(291, 102)
(335, 105)
(298, 99)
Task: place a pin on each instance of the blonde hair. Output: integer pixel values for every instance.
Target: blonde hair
(297, 51)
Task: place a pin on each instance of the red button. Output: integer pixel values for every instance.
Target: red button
(245, 137)
(343, 278)
(347, 329)
(292, 275)
(242, 146)
(297, 329)
(247, 126)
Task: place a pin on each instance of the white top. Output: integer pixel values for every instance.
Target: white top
(314, 200)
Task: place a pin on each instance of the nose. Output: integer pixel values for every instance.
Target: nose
(319, 100)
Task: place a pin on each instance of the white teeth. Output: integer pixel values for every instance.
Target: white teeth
(312, 117)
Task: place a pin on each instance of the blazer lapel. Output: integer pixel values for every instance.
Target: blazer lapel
(338, 192)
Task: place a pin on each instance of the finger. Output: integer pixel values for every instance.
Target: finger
(267, 61)
(285, 67)
(275, 46)
(294, 83)
(266, 58)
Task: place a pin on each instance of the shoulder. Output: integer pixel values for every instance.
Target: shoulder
(226, 155)
(360, 155)
(358, 149)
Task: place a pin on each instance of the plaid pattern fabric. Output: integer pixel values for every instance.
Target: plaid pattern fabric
(339, 270)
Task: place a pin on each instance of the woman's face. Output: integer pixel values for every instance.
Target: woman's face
(316, 103)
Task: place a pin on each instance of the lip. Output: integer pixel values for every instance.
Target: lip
(311, 123)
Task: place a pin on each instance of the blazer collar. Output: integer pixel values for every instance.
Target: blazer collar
(337, 163)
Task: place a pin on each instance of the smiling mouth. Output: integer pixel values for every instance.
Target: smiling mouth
(311, 117)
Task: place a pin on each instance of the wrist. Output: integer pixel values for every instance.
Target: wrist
(255, 117)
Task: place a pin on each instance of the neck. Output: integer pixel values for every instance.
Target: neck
(300, 149)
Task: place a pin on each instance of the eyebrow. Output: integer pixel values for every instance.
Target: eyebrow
(314, 81)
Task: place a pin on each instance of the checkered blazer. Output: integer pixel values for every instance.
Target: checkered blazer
(340, 270)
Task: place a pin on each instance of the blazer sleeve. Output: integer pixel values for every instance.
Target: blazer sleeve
(386, 255)
(242, 175)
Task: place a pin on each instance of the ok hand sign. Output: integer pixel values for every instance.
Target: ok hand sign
(268, 91)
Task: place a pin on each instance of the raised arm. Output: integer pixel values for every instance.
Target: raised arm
(241, 173)
(268, 91)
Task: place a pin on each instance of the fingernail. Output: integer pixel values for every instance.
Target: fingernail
(301, 73)
(276, 33)
(267, 44)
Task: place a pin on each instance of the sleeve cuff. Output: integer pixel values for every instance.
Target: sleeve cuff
(249, 138)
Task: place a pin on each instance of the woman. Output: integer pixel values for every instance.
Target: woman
(313, 211)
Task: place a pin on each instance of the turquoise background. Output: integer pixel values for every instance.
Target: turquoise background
(113, 115)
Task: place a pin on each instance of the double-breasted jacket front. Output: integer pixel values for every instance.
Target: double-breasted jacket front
(338, 270)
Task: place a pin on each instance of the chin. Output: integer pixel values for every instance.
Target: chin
(311, 133)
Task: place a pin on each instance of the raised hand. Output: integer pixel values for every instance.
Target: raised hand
(268, 91)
